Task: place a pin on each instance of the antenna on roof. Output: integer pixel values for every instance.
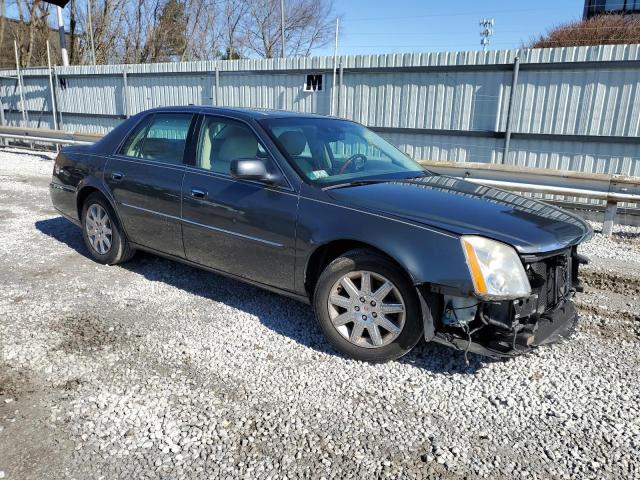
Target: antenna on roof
(486, 31)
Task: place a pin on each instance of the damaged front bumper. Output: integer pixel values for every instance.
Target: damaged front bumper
(508, 328)
(554, 325)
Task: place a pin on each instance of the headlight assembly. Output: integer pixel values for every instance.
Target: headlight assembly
(495, 268)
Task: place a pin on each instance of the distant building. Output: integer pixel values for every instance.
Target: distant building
(596, 7)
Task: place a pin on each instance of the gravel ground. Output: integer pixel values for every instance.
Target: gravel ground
(156, 370)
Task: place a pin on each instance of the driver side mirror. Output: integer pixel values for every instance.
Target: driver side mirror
(252, 169)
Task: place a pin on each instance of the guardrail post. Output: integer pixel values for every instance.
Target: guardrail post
(512, 98)
(609, 218)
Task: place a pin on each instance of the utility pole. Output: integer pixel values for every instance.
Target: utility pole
(282, 26)
(63, 46)
(486, 30)
(93, 47)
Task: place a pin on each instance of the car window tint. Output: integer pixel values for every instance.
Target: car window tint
(331, 151)
(295, 142)
(222, 141)
(163, 139)
(353, 144)
(132, 146)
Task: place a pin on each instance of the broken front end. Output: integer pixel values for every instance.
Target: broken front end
(539, 309)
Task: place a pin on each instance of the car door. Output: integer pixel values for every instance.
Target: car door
(245, 228)
(145, 178)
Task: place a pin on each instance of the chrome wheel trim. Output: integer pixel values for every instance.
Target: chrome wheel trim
(98, 226)
(367, 309)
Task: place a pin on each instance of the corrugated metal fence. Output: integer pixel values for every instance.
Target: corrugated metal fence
(571, 108)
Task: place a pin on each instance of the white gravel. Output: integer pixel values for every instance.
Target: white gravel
(622, 245)
(156, 370)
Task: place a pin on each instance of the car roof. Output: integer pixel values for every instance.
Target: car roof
(256, 113)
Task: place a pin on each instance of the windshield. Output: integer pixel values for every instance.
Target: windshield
(329, 151)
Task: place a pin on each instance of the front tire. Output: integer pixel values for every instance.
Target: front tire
(367, 307)
(102, 232)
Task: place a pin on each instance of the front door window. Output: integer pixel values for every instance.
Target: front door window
(222, 141)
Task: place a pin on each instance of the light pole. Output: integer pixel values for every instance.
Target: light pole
(282, 25)
(63, 43)
(335, 67)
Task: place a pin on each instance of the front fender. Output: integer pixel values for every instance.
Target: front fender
(428, 255)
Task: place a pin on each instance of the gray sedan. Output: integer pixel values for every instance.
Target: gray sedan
(326, 211)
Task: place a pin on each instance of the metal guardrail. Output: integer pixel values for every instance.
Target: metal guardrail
(48, 136)
(613, 189)
(597, 185)
(608, 187)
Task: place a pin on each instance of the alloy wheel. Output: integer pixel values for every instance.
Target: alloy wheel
(367, 309)
(99, 229)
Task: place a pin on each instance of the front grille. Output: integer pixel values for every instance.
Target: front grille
(550, 279)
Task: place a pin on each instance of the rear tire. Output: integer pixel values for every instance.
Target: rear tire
(102, 233)
(367, 307)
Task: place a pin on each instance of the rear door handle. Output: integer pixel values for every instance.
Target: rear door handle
(197, 193)
(117, 176)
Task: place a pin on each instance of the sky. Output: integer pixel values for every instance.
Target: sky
(379, 26)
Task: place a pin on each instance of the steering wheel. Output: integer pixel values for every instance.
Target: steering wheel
(355, 162)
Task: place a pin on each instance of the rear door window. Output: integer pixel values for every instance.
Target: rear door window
(162, 138)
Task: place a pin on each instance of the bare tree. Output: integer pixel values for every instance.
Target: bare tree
(234, 11)
(202, 36)
(167, 40)
(140, 31)
(109, 30)
(134, 41)
(308, 24)
(73, 50)
(29, 30)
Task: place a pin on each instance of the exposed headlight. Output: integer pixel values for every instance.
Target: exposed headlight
(495, 268)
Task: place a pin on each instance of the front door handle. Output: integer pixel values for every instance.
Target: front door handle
(197, 193)
(117, 176)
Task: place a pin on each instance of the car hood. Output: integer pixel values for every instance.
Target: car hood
(467, 208)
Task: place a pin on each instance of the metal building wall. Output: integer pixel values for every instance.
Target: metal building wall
(579, 102)
(440, 100)
(282, 91)
(573, 108)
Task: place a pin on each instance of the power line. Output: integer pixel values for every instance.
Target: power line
(431, 32)
(486, 32)
(443, 45)
(431, 15)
